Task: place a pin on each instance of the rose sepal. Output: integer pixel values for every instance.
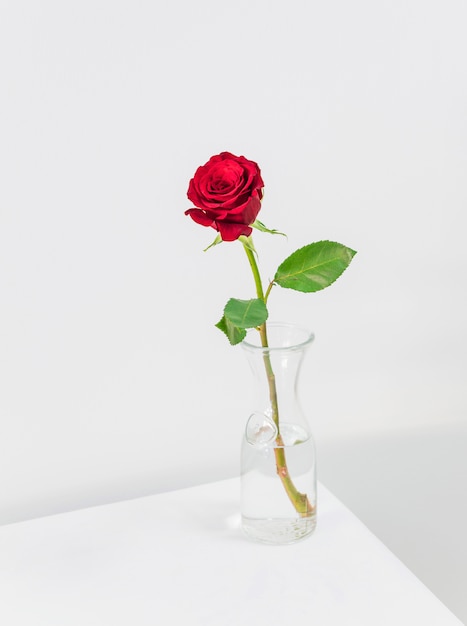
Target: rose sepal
(248, 243)
(216, 241)
(264, 229)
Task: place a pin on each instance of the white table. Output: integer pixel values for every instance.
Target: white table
(181, 558)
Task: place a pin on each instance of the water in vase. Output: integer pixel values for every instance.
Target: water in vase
(267, 512)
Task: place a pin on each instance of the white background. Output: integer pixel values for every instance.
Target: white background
(114, 382)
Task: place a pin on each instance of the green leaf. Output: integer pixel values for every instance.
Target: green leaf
(234, 334)
(314, 267)
(239, 315)
(260, 226)
(246, 313)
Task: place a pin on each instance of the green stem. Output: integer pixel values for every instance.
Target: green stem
(254, 266)
(268, 291)
(299, 500)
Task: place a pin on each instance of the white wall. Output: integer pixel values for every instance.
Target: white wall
(113, 380)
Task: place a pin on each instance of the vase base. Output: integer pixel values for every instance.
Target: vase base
(278, 531)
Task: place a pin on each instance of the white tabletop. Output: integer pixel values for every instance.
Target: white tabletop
(181, 558)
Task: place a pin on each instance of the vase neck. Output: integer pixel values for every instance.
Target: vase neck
(276, 370)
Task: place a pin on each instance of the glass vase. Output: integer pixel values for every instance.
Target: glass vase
(278, 460)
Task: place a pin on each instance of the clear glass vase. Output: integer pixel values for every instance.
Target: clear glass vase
(278, 460)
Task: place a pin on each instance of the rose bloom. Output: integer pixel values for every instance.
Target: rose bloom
(227, 193)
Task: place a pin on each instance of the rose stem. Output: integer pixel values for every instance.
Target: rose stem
(299, 500)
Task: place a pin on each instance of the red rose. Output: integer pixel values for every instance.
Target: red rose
(227, 194)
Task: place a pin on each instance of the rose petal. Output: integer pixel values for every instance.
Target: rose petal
(246, 213)
(230, 231)
(199, 217)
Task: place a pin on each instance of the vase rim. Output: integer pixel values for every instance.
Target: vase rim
(306, 338)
